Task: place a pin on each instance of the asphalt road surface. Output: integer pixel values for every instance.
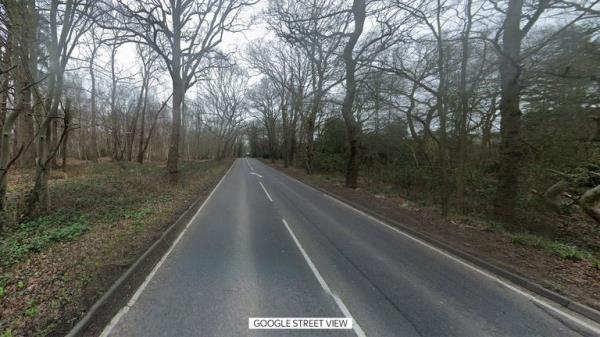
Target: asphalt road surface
(266, 245)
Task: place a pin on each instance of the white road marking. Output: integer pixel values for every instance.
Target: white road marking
(546, 304)
(115, 320)
(249, 165)
(256, 174)
(355, 326)
(264, 189)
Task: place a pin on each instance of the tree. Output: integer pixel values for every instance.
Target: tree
(223, 102)
(265, 99)
(315, 26)
(186, 34)
(94, 44)
(68, 21)
(518, 22)
(359, 13)
(149, 66)
(289, 72)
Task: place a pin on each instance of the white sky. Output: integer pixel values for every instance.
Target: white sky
(128, 65)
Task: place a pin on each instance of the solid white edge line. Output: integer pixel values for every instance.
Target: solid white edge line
(538, 300)
(115, 320)
(267, 193)
(355, 326)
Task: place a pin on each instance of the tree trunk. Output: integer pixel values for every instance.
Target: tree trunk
(5, 154)
(352, 126)
(511, 153)
(182, 132)
(464, 97)
(93, 123)
(113, 108)
(178, 96)
(140, 155)
(65, 143)
(25, 120)
(486, 132)
(132, 128)
(26, 129)
(38, 197)
(146, 145)
(443, 115)
(54, 140)
(173, 155)
(310, 134)
(317, 77)
(6, 57)
(286, 134)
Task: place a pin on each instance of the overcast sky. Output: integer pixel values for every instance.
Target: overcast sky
(128, 64)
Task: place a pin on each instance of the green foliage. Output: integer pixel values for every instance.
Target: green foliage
(127, 191)
(7, 333)
(333, 137)
(38, 234)
(137, 216)
(563, 250)
(32, 310)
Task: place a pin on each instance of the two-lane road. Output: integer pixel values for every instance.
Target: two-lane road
(266, 245)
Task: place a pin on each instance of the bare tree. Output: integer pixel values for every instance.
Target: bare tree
(185, 33)
(519, 20)
(149, 67)
(315, 26)
(265, 99)
(223, 102)
(94, 44)
(289, 72)
(68, 21)
(359, 13)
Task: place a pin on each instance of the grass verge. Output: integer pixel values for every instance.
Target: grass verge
(561, 249)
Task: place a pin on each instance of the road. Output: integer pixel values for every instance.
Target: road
(266, 245)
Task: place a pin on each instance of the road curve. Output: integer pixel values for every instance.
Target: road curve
(266, 245)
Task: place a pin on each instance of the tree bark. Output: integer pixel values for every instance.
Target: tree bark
(464, 97)
(132, 128)
(178, 95)
(310, 132)
(26, 129)
(173, 155)
(4, 83)
(442, 114)
(286, 132)
(65, 142)
(140, 155)
(113, 107)
(93, 123)
(352, 126)
(38, 197)
(511, 152)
